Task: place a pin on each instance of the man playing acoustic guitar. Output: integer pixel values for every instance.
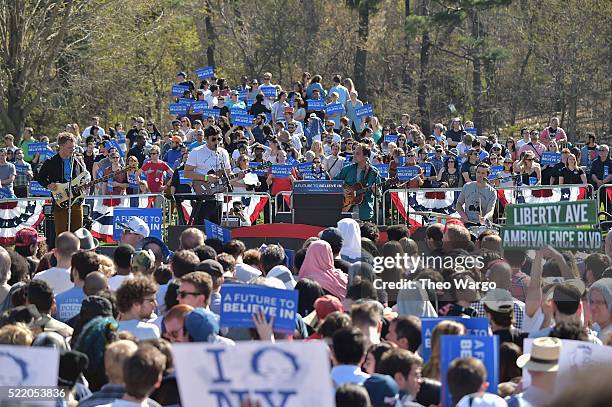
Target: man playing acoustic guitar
(57, 170)
(360, 171)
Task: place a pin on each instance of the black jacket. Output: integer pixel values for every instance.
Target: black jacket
(52, 170)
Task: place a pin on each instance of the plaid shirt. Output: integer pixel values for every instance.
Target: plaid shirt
(519, 312)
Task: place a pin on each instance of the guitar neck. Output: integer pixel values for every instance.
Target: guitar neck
(104, 178)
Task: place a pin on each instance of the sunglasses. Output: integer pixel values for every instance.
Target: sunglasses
(183, 294)
(411, 155)
(528, 159)
(115, 157)
(154, 153)
(174, 334)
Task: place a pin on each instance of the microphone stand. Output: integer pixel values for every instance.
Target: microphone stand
(72, 159)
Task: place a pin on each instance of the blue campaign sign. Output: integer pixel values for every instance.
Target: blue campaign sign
(114, 144)
(177, 108)
(304, 167)
(38, 190)
(333, 108)
(245, 120)
(473, 326)
(249, 102)
(132, 181)
(391, 138)
(426, 168)
(37, 148)
(281, 171)
(407, 173)
(533, 181)
(495, 170)
(401, 160)
(153, 217)
(485, 348)
(289, 258)
(259, 173)
(292, 162)
(243, 95)
(21, 168)
(383, 170)
(365, 110)
(471, 130)
(5, 193)
(318, 187)
(179, 90)
(182, 179)
(550, 158)
(240, 301)
(238, 111)
(199, 106)
(186, 101)
(215, 231)
(216, 113)
(206, 72)
(268, 117)
(268, 91)
(316, 104)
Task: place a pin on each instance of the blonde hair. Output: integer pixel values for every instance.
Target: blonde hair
(107, 267)
(114, 357)
(18, 334)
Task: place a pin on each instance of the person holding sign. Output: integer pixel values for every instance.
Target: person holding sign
(24, 175)
(571, 173)
(476, 202)
(360, 171)
(529, 172)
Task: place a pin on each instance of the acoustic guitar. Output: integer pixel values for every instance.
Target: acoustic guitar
(222, 184)
(79, 186)
(354, 194)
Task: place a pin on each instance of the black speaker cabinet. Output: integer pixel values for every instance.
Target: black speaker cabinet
(317, 209)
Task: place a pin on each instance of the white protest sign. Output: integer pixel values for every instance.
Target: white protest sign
(575, 355)
(21, 366)
(285, 374)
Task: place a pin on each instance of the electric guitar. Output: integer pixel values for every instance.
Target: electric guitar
(222, 184)
(79, 187)
(354, 194)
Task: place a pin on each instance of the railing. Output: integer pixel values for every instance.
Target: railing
(226, 203)
(387, 200)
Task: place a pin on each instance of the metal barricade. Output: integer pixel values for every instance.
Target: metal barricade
(283, 203)
(226, 208)
(393, 211)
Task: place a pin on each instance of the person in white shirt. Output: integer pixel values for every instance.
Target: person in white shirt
(343, 93)
(95, 121)
(122, 258)
(211, 98)
(136, 303)
(524, 140)
(333, 162)
(348, 354)
(205, 164)
(58, 277)
(278, 107)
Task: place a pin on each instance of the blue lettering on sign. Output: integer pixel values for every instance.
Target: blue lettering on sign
(36, 148)
(268, 91)
(304, 167)
(243, 95)
(550, 158)
(249, 102)
(182, 179)
(383, 170)
(426, 168)
(153, 217)
(292, 162)
(365, 110)
(316, 104)
(179, 90)
(473, 326)
(216, 113)
(243, 120)
(177, 108)
(391, 138)
(240, 301)
(132, 183)
(401, 160)
(186, 101)
(199, 106)
(333, 108)
(38, 190)
(206, 72)
(485, 348)
(495, 170)
(259, 173)
(407, 173)
(281, 171)
(318, 187)
(215, 231)
(471, 130)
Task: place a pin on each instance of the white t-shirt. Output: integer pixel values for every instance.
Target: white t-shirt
(534, 323)
(87, 130)
(57, 278)
(205, 160)
(142, 330)
(115, 281)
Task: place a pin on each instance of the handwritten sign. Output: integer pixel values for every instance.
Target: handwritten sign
(206, 72)
(365, 110)
(215, 231)
(240, 301)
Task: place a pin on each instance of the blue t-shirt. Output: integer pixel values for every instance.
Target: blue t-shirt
(196, 144)
(67, 169)
(69, 303)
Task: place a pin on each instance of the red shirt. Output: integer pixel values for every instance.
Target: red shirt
(155, 174)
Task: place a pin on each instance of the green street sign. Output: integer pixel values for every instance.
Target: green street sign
(552, 214)
(559, 238)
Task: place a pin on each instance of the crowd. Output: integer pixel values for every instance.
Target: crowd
(116, 319)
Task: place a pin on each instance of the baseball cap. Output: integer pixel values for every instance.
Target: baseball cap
(166, 252)
(143, 260)
(499, 300)
(202, 325)
(327, 304)
(135, 225)
(332, 236)
(27, 236)
(181, 74)
(497, 146)
(383, 391)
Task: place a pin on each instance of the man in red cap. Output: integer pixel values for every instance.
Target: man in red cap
(26, 244)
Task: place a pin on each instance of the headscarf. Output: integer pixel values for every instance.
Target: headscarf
(351, 239)
(319, 266)
(415, 301)
(604, 286)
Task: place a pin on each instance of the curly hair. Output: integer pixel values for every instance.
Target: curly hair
(134, 291)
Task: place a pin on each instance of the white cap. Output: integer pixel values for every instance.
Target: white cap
(136, 225)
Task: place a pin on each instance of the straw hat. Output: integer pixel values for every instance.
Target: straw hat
(544, 356)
